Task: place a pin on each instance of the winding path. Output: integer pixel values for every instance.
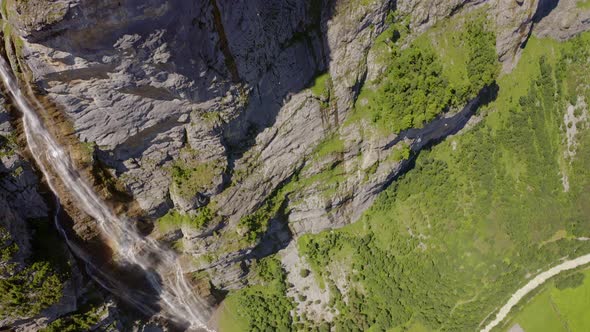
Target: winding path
(534, 283)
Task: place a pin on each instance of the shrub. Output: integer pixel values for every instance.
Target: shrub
(570, 281)
(304, 273)
(29, 291)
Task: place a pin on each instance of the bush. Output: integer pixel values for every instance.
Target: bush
(482, 64)
(413, 92)
(263, 307)
(571, 281)
(304, 273)
(193, 177)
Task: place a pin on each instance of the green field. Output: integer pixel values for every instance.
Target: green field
(555, 309)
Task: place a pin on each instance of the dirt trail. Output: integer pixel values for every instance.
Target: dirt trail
(534, 283)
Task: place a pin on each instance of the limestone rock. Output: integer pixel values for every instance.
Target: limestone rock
(566, 20)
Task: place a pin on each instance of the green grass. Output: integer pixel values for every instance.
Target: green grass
(540, 315)
(451, 49)
(514, 84)
(229, 318)
(320, 85)
(555, 309)
(190, 178)
(332, 145)
(573, 304)
(174, 220)
(583, 4)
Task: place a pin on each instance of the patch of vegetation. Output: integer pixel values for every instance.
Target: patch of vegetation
(192, 177)
(262, 307)
(583, 4)
(8, 248)
(27, 289)
(448, 242)
(482, 62)
(402, 153)
(36, 12)
(30, 290)
(321, 85)
(72, 324)
(304, 273)
(332, 145)
(254, 225)
(7, 145)
(412, 92)
(88, 148)
(85, 318)
(8, 251)
(174, 219)
(570, 281)
(82, 321)
(418, 85)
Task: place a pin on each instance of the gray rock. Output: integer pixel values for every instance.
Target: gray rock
(514, 22)
(565, 21)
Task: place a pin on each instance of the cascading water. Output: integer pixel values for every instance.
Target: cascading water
(161, 266)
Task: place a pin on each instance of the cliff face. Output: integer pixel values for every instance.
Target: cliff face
(26, 275)
(204, 104)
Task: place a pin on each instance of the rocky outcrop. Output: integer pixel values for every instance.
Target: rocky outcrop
(18, 182)
(514, 19)
(303, 121)
(567, 19)
(425, 13)
(165, 60)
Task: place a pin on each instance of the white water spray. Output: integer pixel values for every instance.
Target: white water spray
(163, 270)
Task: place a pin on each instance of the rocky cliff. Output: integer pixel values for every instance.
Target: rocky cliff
(202, 109)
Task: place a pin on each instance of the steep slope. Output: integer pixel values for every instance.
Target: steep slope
(196, 119)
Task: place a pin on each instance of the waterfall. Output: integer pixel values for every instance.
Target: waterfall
(162, 267)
